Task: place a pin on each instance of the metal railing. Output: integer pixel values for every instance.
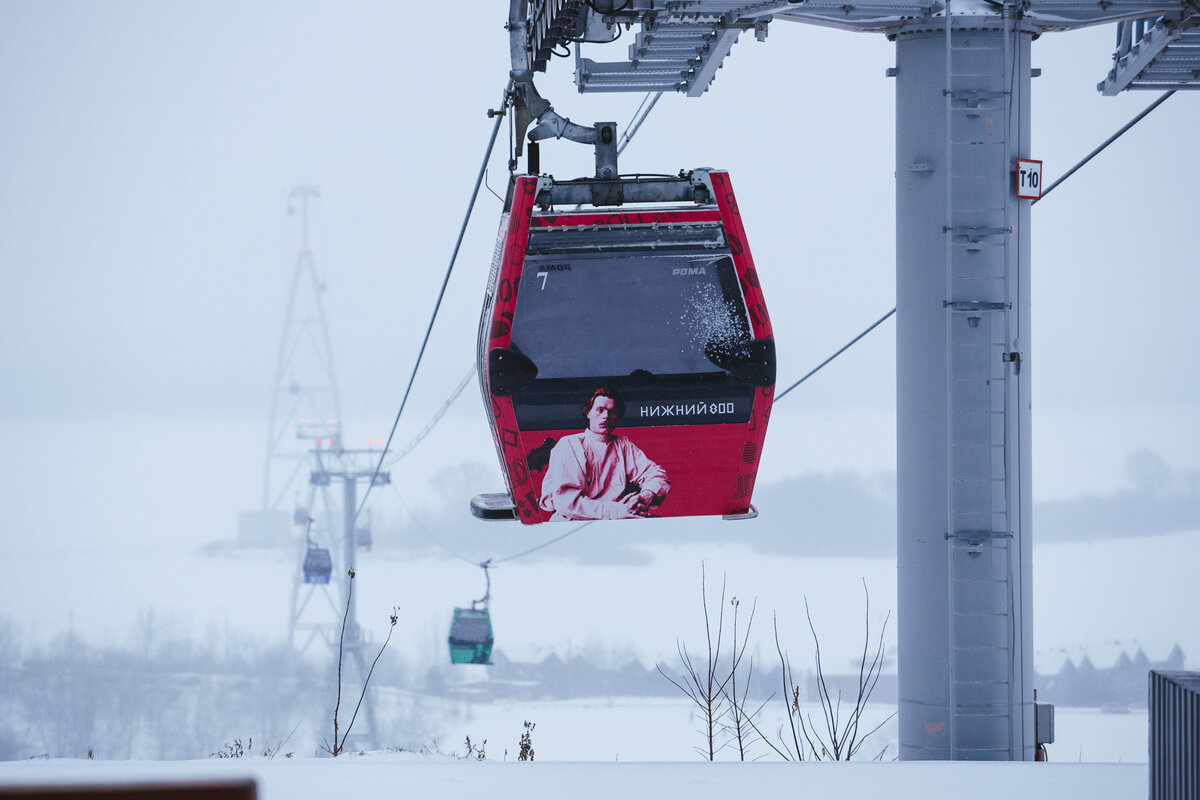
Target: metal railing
(1130, 33)
(1174, 700)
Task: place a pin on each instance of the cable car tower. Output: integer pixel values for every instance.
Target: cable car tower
(305, 430)
(304, 398)
(305, 458)
(964, 350)
(341, 630)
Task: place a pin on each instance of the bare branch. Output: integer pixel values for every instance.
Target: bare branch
(337, 749)
(370, 672)
(785, 670)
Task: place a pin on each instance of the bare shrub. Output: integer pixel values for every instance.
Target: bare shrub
(839, 735)
(715, 688)
(720, 690)
(525, 753)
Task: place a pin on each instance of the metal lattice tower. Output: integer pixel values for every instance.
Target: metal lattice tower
(305, 461)
(963, 266)
(304, 396)
(304, 458)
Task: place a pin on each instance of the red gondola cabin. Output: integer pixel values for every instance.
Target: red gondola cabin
(651, 317)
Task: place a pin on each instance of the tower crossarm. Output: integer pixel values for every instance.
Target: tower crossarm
(678, 45)
(887, 16)
(1156, 52)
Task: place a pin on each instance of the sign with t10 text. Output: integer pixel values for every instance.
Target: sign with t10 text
(1029, 179)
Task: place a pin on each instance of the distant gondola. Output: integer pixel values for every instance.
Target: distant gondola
(318, 565)
(471, 636)
(471, 628)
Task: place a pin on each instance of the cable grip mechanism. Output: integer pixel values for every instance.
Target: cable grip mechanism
(531, 109)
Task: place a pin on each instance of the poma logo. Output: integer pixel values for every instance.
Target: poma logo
(689, 271)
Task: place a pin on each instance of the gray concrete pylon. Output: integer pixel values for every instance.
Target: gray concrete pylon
(963, 401)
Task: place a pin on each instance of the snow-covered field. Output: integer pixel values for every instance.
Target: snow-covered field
(612, 614)
(657, 729)
(406, 775)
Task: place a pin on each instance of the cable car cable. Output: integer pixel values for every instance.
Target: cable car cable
(1108, 141)
(425, 530)
(499, 115)
(493, 561)
(534, 549)
(1124, 129)
(635, 122)
(433, 421)
(843, 349)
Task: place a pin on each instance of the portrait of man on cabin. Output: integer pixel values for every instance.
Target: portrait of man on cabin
(599, 474)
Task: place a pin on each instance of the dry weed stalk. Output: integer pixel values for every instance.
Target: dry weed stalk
(339, 745)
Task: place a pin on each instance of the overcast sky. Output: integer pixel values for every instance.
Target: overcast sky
(146, 150)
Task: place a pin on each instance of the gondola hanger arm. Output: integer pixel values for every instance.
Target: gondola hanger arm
(530, 109)
(487, 592)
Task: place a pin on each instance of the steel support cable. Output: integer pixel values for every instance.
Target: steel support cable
(841, 350)
(1109, 141)
(441, 293)
(637, 119)
(425, 530)
(435, 419)
(491, 561)
(558, 538)
(1047, 191)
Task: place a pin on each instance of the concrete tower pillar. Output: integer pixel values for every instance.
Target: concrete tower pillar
(963, 368)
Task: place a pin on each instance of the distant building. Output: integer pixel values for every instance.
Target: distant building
(1120, 686)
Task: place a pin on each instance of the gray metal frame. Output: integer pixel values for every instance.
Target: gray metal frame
(962, 338)
(1157, 54)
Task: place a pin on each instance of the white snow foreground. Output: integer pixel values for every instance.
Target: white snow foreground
(390, 775)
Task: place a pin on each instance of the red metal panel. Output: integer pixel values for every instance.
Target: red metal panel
(508, 284)
(732, 218)
(756, 429)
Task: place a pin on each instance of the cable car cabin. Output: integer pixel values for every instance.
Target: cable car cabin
(363, 538)
(625, 354)
(471, 636)
(299, 515)
(318, 565)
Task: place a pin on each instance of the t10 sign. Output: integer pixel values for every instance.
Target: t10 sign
(1029, 179)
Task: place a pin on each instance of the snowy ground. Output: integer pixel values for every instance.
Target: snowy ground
(406, 775)
(638, 729)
